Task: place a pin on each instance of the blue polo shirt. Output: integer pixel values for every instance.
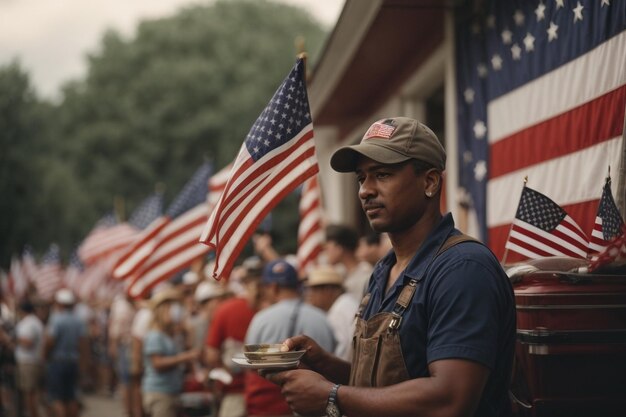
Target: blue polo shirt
(463, 308)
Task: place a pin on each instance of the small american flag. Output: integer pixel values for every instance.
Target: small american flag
(310, 230)
(608, 223)
(49, 279)
(613, 253)
(542, 228)
(277, 155)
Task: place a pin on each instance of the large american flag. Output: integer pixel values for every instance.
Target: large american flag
(171, 242)
(541, 228)
(541, 92)
(310, 229)
(277, 155)
(608, 223)
(49, 278)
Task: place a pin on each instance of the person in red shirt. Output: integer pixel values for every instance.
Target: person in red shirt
(226, 336)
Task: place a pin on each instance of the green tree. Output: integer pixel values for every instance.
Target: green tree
(35, 184)
(184, 88)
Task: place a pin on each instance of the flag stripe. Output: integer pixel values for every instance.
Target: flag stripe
(300, 152)
(545, 241)
(567, 87)
(571, 179)
(168, 266)
(102, 241)
(133, 258)
(247, 227)
(176, 247)
(239, 221)
(246, 179)
(543, 141)
(310, 234)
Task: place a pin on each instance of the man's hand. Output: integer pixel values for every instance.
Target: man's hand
(314, 357)
(305, 391)
(319, 360)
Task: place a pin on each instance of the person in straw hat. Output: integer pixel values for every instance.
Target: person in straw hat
(325, 290)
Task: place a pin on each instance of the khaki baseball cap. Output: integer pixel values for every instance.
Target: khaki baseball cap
(391, 141)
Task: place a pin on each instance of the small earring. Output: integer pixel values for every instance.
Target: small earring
(429, 194)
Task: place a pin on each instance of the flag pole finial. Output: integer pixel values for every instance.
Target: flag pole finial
(525, 180)
(608, 176)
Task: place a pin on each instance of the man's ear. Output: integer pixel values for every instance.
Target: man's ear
(432, 182)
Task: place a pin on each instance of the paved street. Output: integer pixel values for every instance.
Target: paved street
(99, 405)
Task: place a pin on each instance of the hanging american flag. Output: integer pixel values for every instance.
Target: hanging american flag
(310, 230)
(277, 155)
(542, 228)
(17, 279)
(49, 278)
(173, 244)
(541, 92)
(608, 223)
(613, 253)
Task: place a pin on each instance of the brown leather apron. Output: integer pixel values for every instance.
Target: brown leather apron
(377, 359)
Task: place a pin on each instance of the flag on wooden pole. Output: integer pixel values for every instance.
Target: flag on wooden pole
(277, 155)
(542, 228)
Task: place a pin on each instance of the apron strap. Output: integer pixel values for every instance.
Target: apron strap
(405, 297)
(364, 302)
(293, 320)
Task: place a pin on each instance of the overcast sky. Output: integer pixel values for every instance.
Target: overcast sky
(51, 37)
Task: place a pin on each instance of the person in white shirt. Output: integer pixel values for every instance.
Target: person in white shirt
(340, 250)
(28, 350)
(324, 290)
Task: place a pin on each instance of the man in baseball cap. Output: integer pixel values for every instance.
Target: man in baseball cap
(438, 319)
(65, 343)
(392, 141)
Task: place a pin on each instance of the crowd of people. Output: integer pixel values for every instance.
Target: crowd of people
(171, 351)
(428, 330)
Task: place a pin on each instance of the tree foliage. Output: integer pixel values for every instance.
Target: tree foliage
(150, 110)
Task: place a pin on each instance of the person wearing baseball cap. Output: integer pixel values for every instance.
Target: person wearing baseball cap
(65, 343)
(438, 319)
(286, 316)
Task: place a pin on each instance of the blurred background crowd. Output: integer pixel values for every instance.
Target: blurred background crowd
(169, 353)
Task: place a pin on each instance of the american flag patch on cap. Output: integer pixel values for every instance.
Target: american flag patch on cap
(379, 130)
